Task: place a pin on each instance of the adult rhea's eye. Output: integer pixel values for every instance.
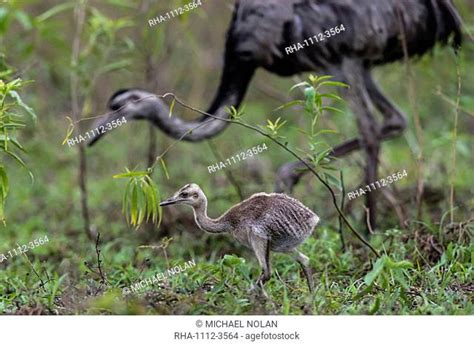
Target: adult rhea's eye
(195, 195)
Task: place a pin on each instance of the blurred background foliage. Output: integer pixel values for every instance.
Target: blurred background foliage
(184, 56)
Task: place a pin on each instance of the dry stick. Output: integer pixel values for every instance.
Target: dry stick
(455, 137)
(227, 173)
(76, 110)
(367, 219)
(99, 261)
(294, 154)
(418, 130)
(151, 80)
(152, 83)
(341, 235)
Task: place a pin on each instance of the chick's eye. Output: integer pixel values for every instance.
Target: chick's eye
(195, 195)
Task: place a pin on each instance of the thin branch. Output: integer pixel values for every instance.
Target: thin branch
(414, 105)
(77, 108)
(367, 219)
(99, 261)
(341, 235)
(455, 137)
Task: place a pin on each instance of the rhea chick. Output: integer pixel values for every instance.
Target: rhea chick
(264, 222)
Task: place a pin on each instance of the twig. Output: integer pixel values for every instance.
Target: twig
(227, 173)
(367, 220)
(99, 261)
(414, 104)
(341, 235)
(455, 137)
(80, 13)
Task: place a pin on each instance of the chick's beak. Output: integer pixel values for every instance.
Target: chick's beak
(169, 201)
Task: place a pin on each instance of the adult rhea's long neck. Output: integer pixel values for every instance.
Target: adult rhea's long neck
(208, 224)
(234, 82)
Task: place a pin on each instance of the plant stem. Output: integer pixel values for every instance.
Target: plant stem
(341, 235)
(76, 114)
(454, 141)
(412, 96)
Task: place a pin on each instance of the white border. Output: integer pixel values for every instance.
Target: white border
(313, 330)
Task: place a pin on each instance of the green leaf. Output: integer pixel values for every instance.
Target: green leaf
(310, 95)
(375, 307)
(131, 174)
(4, 182)
(332, 96)
(326, 131)
(55, 10)
(141, 199)
(320, 79)
(18, 99)
(69, 131)
(400, 278)
(116, 66)
(289, 105)
(23, 19)
(134, 205)
(4, 138)
(304, 83)
(404, 264)
(333, 83)
(163, 164)
(173, 103)
(20, 161)
(125, 200)
(376, 271)
(332, 109)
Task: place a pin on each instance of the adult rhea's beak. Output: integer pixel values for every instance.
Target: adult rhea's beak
(105, 125)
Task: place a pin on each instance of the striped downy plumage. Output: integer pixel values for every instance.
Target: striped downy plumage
(263, 222)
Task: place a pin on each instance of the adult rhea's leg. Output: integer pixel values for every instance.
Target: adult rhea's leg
(394, 121)
(358, 98)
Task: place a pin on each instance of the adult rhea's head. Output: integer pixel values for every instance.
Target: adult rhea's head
(190, 194)
(131, 104)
